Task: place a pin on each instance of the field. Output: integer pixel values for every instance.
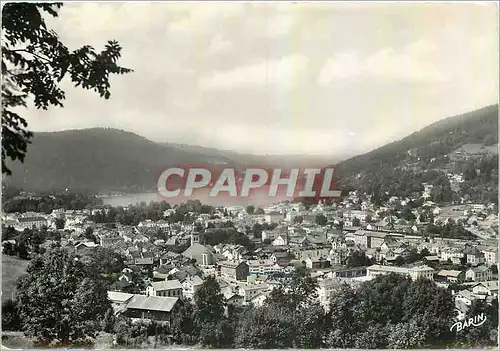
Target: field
(12, 269)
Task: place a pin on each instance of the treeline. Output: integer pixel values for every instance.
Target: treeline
(133, 215)
(48, 202)
(28, 242)
(449, 230)
(226, 235)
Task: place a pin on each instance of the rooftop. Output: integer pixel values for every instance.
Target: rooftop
(166, 285)
(152, 303)
(119, 296)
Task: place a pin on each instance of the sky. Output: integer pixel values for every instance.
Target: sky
(281, 78)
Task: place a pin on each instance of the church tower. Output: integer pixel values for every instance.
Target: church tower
(195, 238)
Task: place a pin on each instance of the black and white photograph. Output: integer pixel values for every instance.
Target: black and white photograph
(249, 175)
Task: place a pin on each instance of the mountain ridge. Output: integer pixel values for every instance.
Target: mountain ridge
(109, 159)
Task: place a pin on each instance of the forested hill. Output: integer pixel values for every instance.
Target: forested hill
(428, 155)
(105, 159)
(95, 159)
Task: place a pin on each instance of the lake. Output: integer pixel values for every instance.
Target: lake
(202, 195)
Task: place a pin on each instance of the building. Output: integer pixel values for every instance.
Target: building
(414, 272)
(490, 255)
(452, 276)
(282, 258)
(474, 256)
(86, 245)
(479, 274)
(273, 217)
(249, 291)
(486, 288)
(369, 239)
(152, 307)
(317, 262)
(201, 254)
(109, 240)
(281, 240)
(327, 287)
(30, 222)
(168, 288)
(453, 254)
(259, 300)
(233, 299)
(119, 300)
(263, 267)
(190, 286)
(234, 270)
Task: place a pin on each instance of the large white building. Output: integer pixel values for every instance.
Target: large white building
(414, 272)
(30, 222)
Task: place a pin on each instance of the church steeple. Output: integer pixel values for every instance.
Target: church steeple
(195, 238)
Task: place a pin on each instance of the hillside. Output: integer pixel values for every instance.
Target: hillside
(455, 145)
(257, 160)
(95, 159)
(105, 160)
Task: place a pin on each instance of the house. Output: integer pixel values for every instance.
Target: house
(190, 286)
(452, 276)
(373, 254)
(280, 240)
(249, 291)
(414, 272)
(259, 299)
(233, 299)
(232, 252)
(152, 307)
(281, 258)
(432, 259)
(474, 256)
(169, 288)
(235, 270)
(327, 287)
(486, 288)
(119, 300)
(468, 297)
(369, 239)
(86, 245)
(490, 255)
(479, 274)
(317, 262)
(338, 257)
(347, 272)
(453, 254)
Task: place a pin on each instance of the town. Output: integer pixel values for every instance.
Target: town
(164, 256)
(249, 175)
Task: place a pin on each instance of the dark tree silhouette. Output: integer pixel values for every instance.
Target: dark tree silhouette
(34, 62)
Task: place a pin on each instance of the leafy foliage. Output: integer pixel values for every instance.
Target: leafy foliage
(61, 300)
(34, 62)
(390, 311)
(10, 316)
(358, 259)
